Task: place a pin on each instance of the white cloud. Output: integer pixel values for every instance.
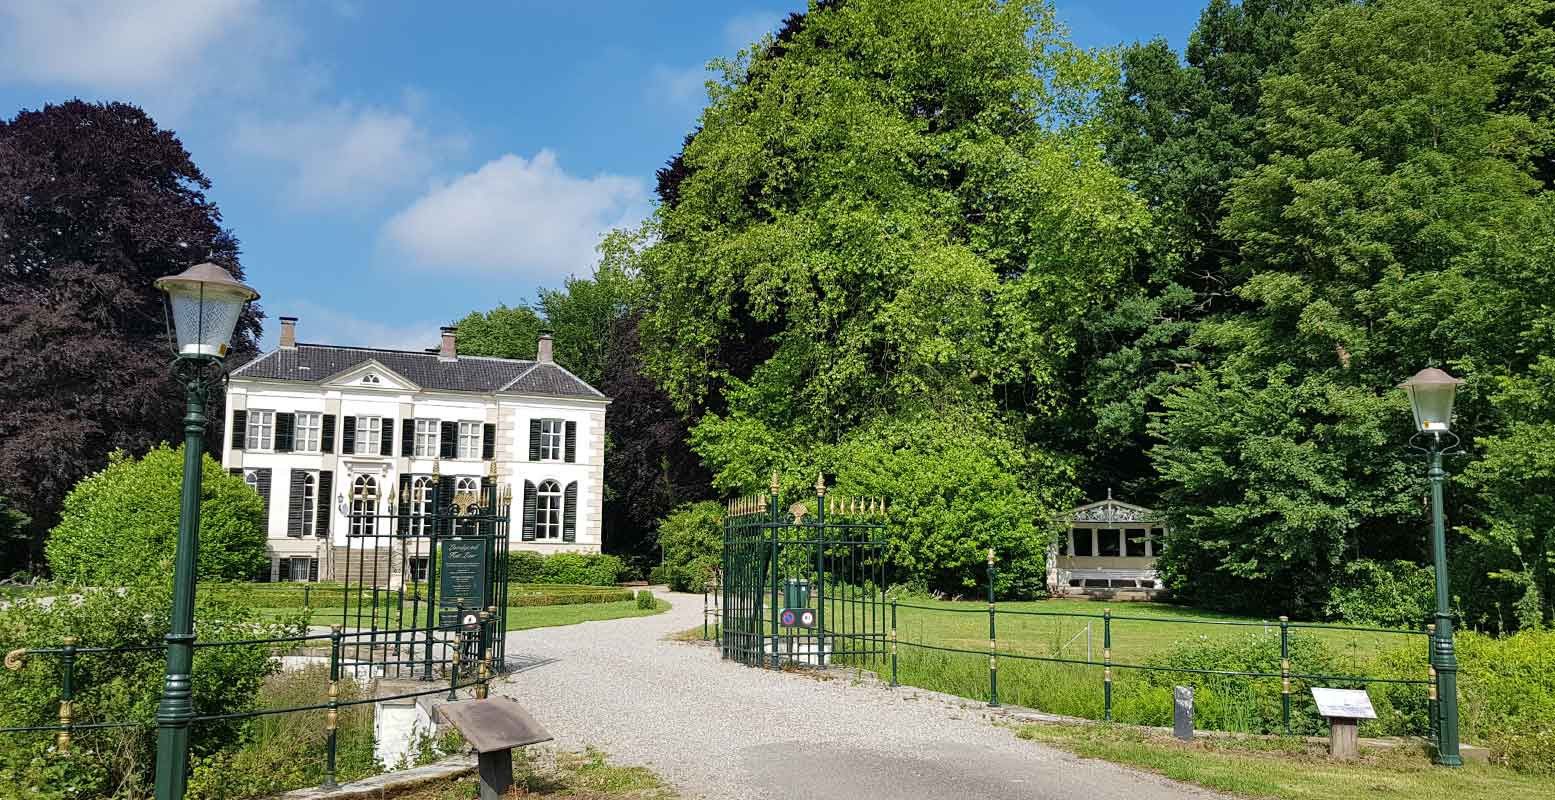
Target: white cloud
(742, 31)
(517, 215)
(682, 86)
(166, 51)
(346, 154)
(325, 325)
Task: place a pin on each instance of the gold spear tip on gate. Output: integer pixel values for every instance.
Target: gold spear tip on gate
(820, 485)
(776, 485)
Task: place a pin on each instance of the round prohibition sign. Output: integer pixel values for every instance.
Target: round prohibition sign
(807, 618)
(787, 617)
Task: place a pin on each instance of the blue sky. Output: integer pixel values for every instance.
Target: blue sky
(391, 166)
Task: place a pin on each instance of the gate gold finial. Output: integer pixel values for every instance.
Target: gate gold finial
(761, 504)
(437, 468)
(820, 485)
(776, 485)
(16, 659)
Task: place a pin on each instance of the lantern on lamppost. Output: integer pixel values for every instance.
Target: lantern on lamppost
(205, 302)
(1431, 392)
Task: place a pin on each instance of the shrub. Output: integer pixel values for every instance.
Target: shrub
(590, 569)
(661, 575)
(645, 600)
(122, 523)
(1395, 594)
(564, 596)
(123, 687)
(1507, 690)
(524, 566)
(692, 540)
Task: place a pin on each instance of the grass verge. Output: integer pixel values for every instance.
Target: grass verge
(519, 618)
(574, 776)
(1288, 768)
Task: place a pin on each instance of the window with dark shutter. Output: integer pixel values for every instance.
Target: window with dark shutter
(348, 436)
(327, 445)
(239, 430)
(531, 497)
(313, 569)
(262, 485)
(488, 442)
(572, 442)
(238, 471)
(407, 437)
(449, 440)
(285, 432)
(445, 498)
(386, 438)
(534, 439)
(294, 510)
(326, 502)
(570, 513)
(284, 574)
(403, 501)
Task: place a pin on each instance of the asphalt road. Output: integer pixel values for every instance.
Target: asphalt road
(715, 729)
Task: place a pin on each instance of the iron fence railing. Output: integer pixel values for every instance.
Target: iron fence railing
(464, 654)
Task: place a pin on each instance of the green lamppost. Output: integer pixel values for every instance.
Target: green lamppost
(206, 302)
(1431, 394)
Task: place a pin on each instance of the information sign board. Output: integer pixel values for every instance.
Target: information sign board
(461, 578)
(1343, 703)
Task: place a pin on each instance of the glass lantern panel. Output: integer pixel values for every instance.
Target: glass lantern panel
(205, 328)
(1433, 406)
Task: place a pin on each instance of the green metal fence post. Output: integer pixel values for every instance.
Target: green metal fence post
(993, 641)
(453, 671)
(67, 693)
(1285, 671)
(893, 644)
(773, 527)
(332, 716)
(1106, 660)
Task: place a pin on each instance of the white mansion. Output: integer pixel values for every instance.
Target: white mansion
(321, 431)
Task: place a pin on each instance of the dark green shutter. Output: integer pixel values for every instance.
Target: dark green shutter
(285, 432)
(327, 436)
(488, 442)
(571, 444)
(488, 505)
(326, 502)
(530, 501)
(284, 574)
(449, 436)
(404, 504)
(570, 512)
(294, 503)
(445, 500)
(263, 576)
(239, 429)
(348, 436)
(262, 479)
(386, 437)
(534, 440)
(313, 569)
(408, 438)
(238, 471)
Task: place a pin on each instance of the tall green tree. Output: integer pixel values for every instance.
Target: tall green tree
(503, 332)
(96, 202)
(899, 213)
(1393, 224)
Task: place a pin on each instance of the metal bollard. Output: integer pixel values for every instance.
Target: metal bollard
(1432, 696)
(332, 716)
(893, 644)
(1106, 660)
(993, 641)
(67, 693)
(1285, 671)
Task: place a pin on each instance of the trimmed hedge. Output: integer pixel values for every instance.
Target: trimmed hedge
(587, 569)
(327, 594)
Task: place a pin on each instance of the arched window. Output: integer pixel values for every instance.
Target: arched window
(371, 378)
(251, 478)
(420, 505)
(472, 487)
(548, 511)
(310, 503)
(364, 505)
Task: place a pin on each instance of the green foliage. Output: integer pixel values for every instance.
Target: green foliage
(122, 687)
(691, 538)
(645, 600)
(545, 595)
(1394, 594)
(121, 524)
(524, 566)
(588, 569)
(502, 332)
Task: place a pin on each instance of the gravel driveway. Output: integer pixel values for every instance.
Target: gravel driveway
(716, 729)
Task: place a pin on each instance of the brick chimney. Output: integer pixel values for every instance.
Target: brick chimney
(288, 333)
(447, 351)
(543, 353)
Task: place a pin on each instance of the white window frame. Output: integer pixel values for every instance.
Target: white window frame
(553, 436)
(420, 505)
(308, 432)
(470, 441)
(420, 567)
(426, 438)
(307, 569)
(364, 502)
(260, 434)
(548, 511)
(369, 436)
(310, 503)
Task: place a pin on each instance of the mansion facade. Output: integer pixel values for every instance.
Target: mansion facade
(324, 432)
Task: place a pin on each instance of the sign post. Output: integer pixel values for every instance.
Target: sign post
(1344, 709)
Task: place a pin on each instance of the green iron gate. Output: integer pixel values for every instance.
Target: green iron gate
(804, 583)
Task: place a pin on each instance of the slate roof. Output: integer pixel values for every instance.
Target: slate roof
(314, 363)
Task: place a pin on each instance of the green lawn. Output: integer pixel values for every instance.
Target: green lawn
(1289, 769)
(520, 618)
(567, 776)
